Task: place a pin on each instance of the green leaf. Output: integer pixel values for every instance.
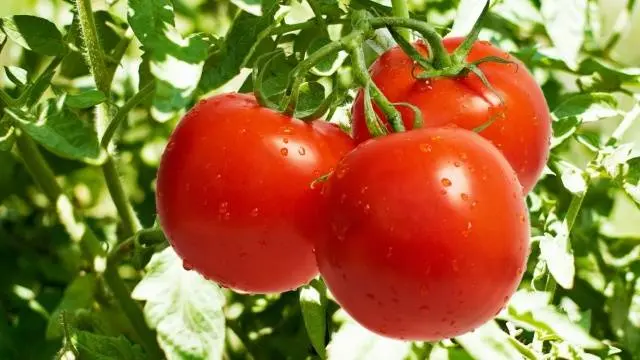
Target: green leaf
(311, 96)
(489, 342)
(34, 33)
(565, 22)
(581, 108)
(313, 302)
(61, 131)
(631, 182)
(531, 310)
(85, 99)
(175, 62)
(556, 251)
(225, 63)
(17, 75)
(183, 307)
(251, 6)
(330, 64)
(78, 295)
(98, 347)
(573, 178)
(353, 342)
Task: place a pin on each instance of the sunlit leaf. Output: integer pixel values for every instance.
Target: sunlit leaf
(34, 33)
(183, 307)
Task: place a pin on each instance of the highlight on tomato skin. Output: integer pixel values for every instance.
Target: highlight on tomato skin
(235, 194)
(521, 126)
(430, 233)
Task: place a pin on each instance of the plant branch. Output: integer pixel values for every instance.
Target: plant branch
(95, 55)
(362, 76)
(441, 58)
(124, 111)
(130, 222)
(401, 10)
(6, 98)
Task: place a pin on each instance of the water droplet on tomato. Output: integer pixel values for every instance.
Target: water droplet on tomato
(425, 148)
(443, 192)
(187, 266)
(371, 296)
(367, 208)
(389, 252)
(224, 207)
(523, 218)
(463, 156)
(255, 212)
(285, 140)
(446, 182)
(302, 151)
(474, 203)
(464, 197)
(284, 151)
(287, 130)
(457, 164)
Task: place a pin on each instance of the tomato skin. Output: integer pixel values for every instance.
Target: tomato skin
(430, 233)
(522, 128)
(234, 192)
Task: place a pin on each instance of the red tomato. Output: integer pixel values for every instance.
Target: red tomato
(522, 126)
(430, 233)
(235, 194)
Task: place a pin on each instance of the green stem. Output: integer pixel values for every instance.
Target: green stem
(574, 208)
(95, 55)
(130, 222)
(151, 236)
(362, 76)
(124, 111)
(6, 98)
(401, 10)
(102, 76)
(38, 168)
(91, 245)
(441, 58)
(296, 78)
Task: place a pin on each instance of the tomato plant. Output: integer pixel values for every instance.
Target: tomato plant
(118, 239)
(442, 268)
(235, 193)
(512, 110)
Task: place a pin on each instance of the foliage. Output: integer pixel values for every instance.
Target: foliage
(91, 100)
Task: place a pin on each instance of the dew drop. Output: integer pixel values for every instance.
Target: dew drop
(463, 156)
(302, 151)
(446, 182)
(367, 208)
(187, 266)
(255, 212)
(389, 252)
(285, 140)
(287, 130)
(474, 203)
(523, 218)
(464, 197)
(425, 148)
(457, 164)
(284, 151)
(223, 208)
(364, 189)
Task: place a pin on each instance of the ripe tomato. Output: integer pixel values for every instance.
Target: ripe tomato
(430, 233)
(235, 194)
(522, 126)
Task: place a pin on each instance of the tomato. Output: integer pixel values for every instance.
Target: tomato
(235, 192)
(521, 127)
(430, 233)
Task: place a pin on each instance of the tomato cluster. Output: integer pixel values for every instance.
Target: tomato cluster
(418, 235)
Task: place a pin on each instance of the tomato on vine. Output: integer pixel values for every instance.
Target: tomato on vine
(430, 233)
(235, 192)
(514, 109)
